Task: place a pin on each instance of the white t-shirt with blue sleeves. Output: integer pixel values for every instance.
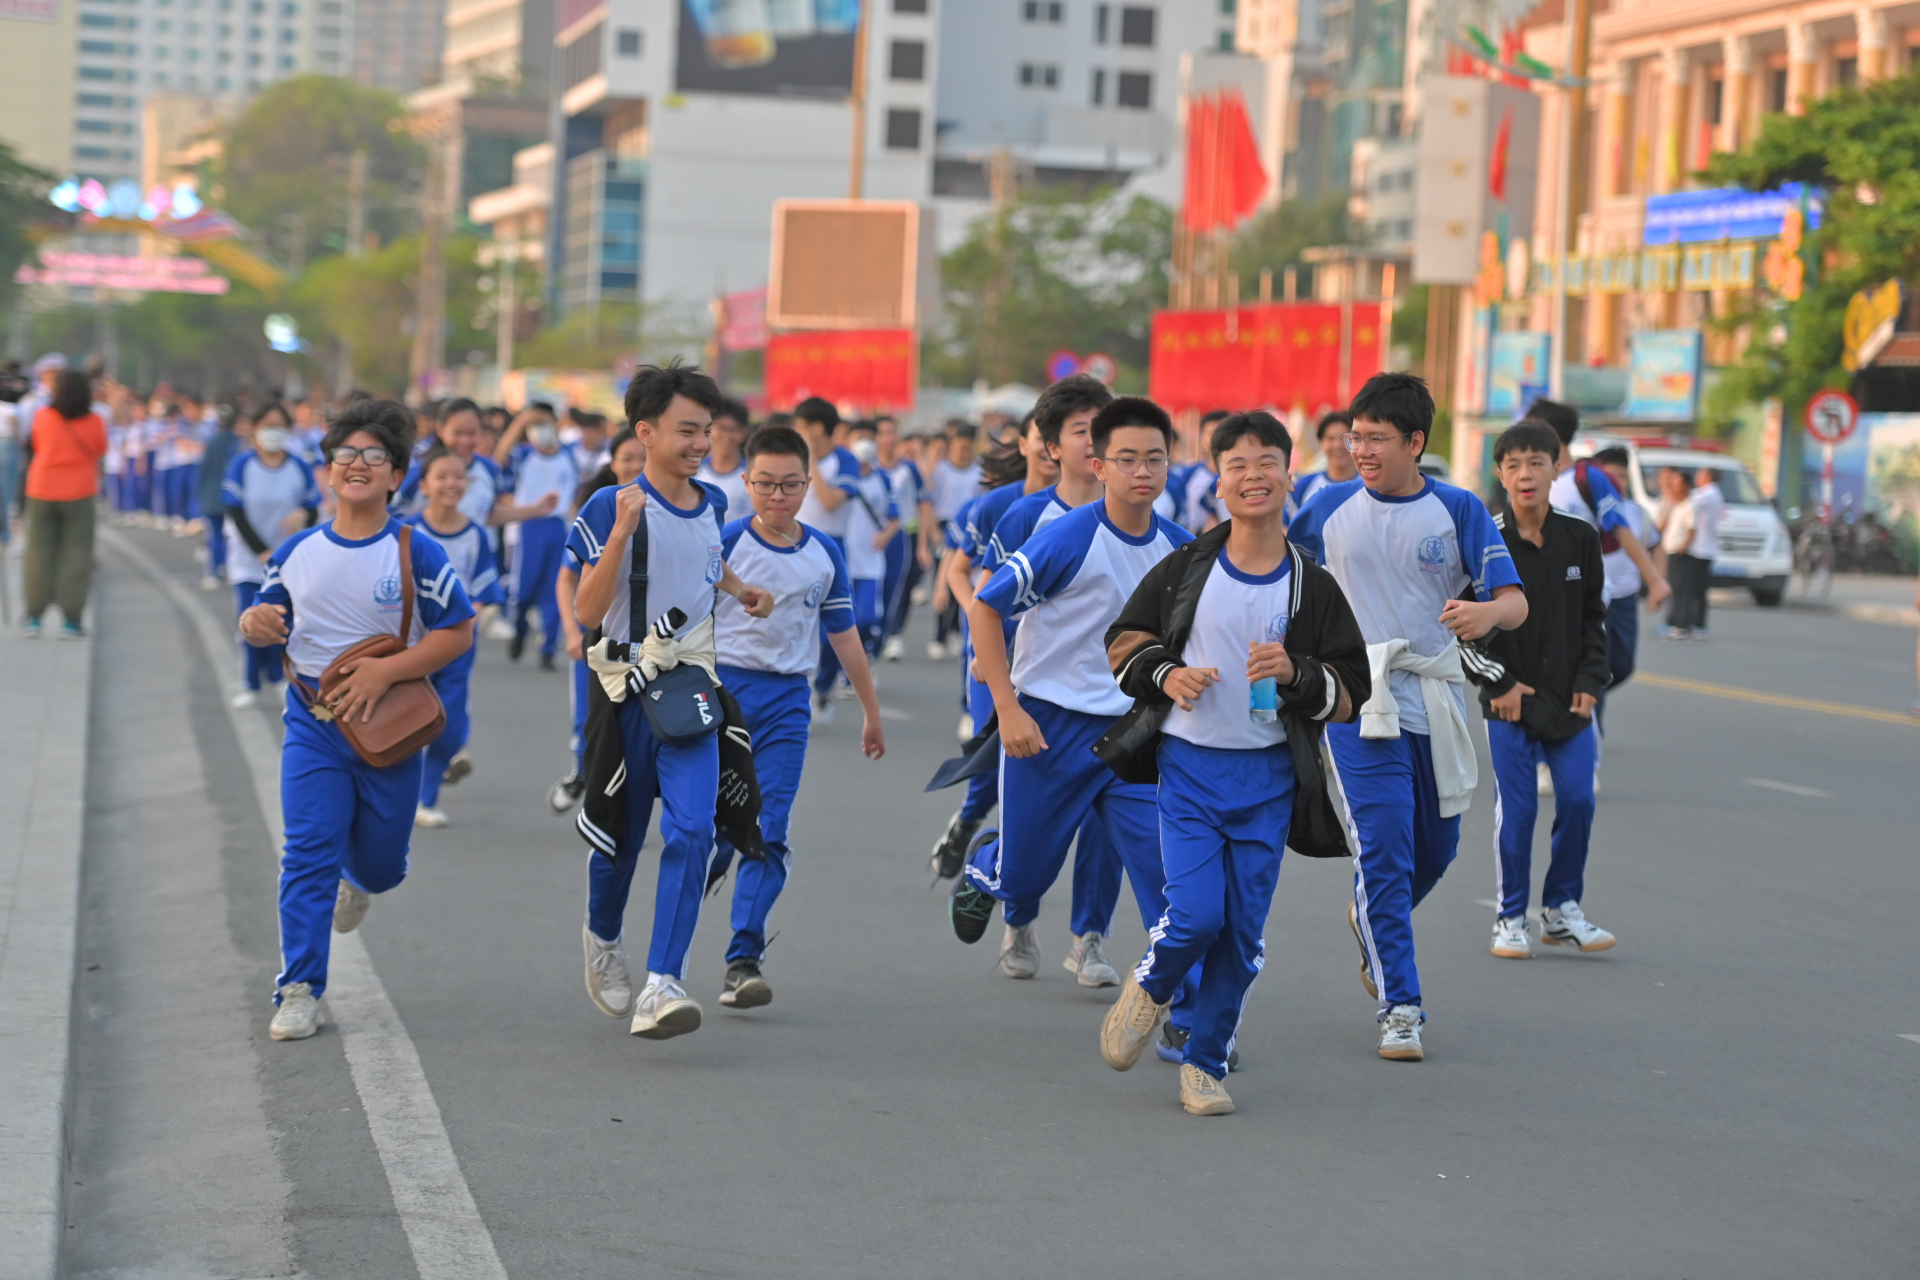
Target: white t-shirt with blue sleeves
(339, 592)
(1236, 609)
(532, 475)
(870, 508)
(731, 483)
(685, 554)
(809, 585)
(1399, 560)
(470, 551)
(1067, 585)
(909, 490)
(836, 467)
(484, 487)
(1608, 513)
(1027, 514)
(269, 495)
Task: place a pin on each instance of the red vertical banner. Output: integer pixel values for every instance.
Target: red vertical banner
(867, 369)
(1285, 356)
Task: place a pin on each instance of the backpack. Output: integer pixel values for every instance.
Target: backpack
(1609, 543)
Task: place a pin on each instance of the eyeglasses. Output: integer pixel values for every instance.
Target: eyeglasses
(1373, 444)
(1129, 464)
(788, 487)
(373, 455)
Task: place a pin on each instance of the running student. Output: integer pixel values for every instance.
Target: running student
(1057, 697)
(469, 548)
(460, 432)
(671, 410)
(1203, 631)
(1540, 684)
(765, 662)
(542, 475)
(726, 467)
(1337, 463)
(872, 520)
(268, 495)
(327, 589)
(1404, 548)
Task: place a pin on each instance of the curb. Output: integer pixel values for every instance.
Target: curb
(45, 700)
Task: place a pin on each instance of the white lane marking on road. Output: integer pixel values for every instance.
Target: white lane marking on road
(1790, 788)
(1905, 1036)
(436, 1208)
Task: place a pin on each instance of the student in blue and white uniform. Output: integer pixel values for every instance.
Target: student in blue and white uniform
(327, 589)
(672, 411)
(765, 662)
(1336, 462)
(726, 467)
(1057, 697)
(957, 478)
(469, 548)
(543, 475)
(1234, 607)
(1403, 548)
(909, 554)
(460, 433)
(268, 495)
(872, 521)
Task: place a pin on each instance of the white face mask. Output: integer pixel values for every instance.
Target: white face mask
(865, 450)
(543, 437)
(271, 439)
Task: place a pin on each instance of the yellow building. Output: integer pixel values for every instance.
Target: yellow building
(36, 93)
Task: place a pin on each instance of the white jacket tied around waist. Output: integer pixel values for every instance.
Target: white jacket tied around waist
(656, 655)
(1456, 770)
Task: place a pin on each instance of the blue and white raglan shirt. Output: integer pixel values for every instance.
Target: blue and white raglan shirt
(869, 508)
(339, 592)
(837, 466)
(810, 590)
(909, 491)
(1201, 504)
(1236, 609)
(484, 486)
(532, 475)
(1067, 585)
(268, 495)
(685, 554)
(1608, 513)
(1399, 560)
(952, 488)
(1304, 487)
(980, 519)
(470, 551)
(732, 484)
(1026, 514)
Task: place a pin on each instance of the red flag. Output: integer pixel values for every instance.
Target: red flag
(1245, 177)
(1202, 127)
(1497, 167)
(1225, 179)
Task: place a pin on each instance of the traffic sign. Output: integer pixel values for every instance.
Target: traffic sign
(1100, 366)
(1832, 416)
(1062, 364)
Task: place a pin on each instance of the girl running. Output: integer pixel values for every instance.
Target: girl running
(327, 589)
(269, 495)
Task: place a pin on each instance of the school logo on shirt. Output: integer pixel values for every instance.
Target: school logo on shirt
(1433, 555)
(386, 594)
(1277, 629)
(1573, 573)
(814, 594)
(714, 569)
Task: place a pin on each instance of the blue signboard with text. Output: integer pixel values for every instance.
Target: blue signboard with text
(1726, 213)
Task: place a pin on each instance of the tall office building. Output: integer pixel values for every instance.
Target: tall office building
(499, 40)
(398, 44)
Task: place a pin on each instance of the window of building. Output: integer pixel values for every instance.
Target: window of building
(288, 35)
(627, 42)
(903, 129)
(96, 73)
(94, 126)
(289, 10)
(1098, 95)
(98, 46)
(1134, 89)
(161, 51)
(1777, 89)
(1224, 42)
(1846, 71)
(99, 20)
(94, 99)
(1136, 26)
(93, 153)
(1051, 11)
(286, 62)
(907, 60)
(1102, 18)
(1039, 75)
(909, 6)
(1716, 93)
(1228, 8)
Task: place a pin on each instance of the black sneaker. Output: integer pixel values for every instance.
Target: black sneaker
(546, 662)
(952, 850)
(745, 988)
(969, 909)
(517, 646)
(566, 793)
(1172, 1047)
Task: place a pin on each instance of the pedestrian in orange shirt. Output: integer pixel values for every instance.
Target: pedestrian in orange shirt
(68, 441)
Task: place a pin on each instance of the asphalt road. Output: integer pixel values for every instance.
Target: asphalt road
(1727, 1093)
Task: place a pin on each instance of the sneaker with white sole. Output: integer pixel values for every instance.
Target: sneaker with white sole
(1087, 962)
(457, 768)
(608, 985)
(1567, 926)
(428, 816)
(1542, 779)
(566, 793)
(350, 906)
(1366, 957)
(894, 649)
(300, 1013)
(746, 986)
(936, 652)
(1201, 1094)
(664, 1011)
(1020, 951)
(244, 700)
(1129, 1025)
(1510, 941)
(1400, 1034)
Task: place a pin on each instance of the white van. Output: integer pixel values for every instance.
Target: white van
(1756, 551)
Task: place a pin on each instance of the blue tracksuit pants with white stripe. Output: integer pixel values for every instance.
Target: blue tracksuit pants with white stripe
(1223, 826)
(536, 567)
(778, 715)
(451, 682)
(1405, 846)
(1517, 803)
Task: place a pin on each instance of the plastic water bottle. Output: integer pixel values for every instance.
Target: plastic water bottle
(1265, 703)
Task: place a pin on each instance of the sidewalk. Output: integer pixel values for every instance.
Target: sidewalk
(1862, 597)
(44, 695)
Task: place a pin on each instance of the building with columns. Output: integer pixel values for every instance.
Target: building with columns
(1673, 82)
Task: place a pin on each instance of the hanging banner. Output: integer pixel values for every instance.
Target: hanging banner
(1284, 356)
(869, 369)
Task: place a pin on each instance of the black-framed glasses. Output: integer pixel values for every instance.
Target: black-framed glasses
(788, 487)
(373, 455)
(1130, 464)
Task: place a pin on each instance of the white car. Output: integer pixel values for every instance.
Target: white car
(1756, 551)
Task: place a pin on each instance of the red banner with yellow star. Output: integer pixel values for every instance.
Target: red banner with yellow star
(865, 369)
(1283, 356)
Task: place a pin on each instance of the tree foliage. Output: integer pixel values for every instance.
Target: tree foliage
(23, 190)
(595, 339)
(1277, 236)
(368, 303)
(194, 342)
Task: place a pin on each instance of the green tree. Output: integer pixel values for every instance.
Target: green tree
(23, 190)
(367, 303)
(286, 165)
(1276, 238)
(595, 339)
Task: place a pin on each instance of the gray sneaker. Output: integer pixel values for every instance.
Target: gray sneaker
(1129, 1026)
(1020, 951)
(1400, 1034)
(350, 906)
(608, 983)
(1087, 962)
(664, 1011)
(300, 1013)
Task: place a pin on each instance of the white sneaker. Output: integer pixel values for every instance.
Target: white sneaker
(936, 652)
(607, 981)
(964, 730)
(1020, 951)
(244, 699)
(300, 1013)
(499, 629)
(424, 816)
(1542, 779)
(665, 1010)
(1568, 926)
(209, 583)
(894, 649)
(350, 907)
(1400, 1034)
(1510, 940)
(1087, 961)
(822, 709)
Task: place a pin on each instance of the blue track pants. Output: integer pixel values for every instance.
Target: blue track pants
(345, 820)
(1405, 846)
(451, 682)
(261, 665)
(1623, 650)
(577, 691)
(686, 777)
(869, 619)
(536, 566)
(216, 545)
(1517, 803)
(778, 715)
(1223, 827)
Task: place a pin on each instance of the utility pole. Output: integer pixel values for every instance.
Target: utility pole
(857, 169)
(437, 130)
(1573, 180)
(1002, 184)
(357, 203)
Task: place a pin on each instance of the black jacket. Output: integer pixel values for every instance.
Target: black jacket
(1323, 639)
(1561, 649)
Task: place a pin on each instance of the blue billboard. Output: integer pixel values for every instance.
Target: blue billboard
(1663, 376)
(1726, 213)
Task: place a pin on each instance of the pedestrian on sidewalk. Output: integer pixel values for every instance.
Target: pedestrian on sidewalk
(67, 443)
(1688, 573)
